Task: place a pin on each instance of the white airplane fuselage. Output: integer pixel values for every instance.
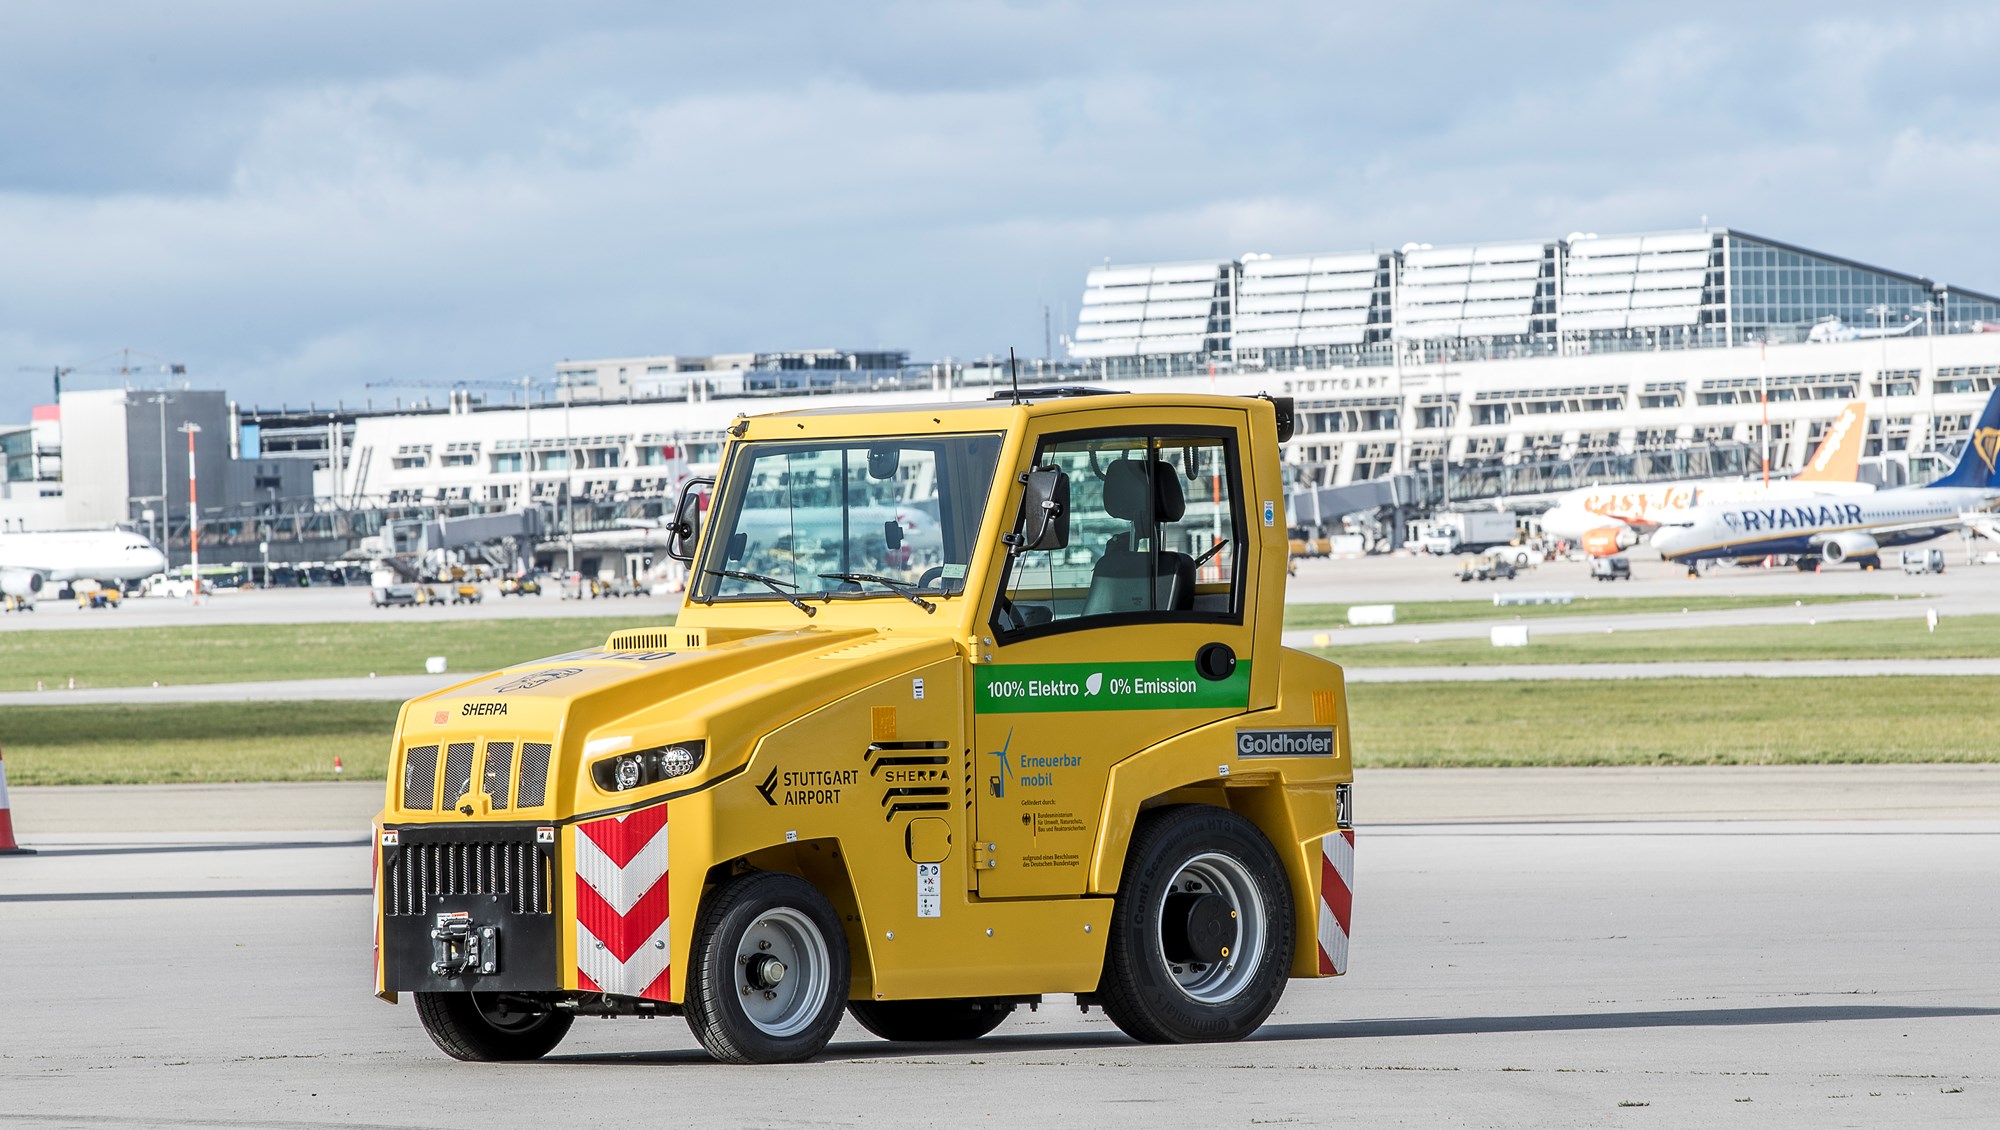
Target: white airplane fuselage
(1578, 512)
(29, 559)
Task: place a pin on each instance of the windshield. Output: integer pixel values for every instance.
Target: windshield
(903, 511)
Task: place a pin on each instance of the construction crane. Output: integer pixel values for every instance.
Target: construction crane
(523, 383)
(125, 370)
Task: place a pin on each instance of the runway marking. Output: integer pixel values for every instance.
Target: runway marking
(121, 896)
(168, 849)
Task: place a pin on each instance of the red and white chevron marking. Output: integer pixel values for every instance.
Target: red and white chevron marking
(621, 904)
(1336, 900)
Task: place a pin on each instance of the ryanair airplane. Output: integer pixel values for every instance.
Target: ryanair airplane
(1845, 529)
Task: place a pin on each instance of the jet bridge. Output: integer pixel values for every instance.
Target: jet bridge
(1319, 506)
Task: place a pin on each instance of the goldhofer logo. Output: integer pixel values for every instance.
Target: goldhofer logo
(1284, 743)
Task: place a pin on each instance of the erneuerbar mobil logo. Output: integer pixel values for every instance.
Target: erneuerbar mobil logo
(1284, 743)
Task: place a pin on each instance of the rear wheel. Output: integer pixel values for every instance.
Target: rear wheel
(492, 1026)
(770, 970)
(932, 1020)
(1201, 935)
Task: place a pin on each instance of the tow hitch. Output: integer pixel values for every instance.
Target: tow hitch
(461, 947)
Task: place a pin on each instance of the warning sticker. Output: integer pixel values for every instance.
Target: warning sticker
(930, 890)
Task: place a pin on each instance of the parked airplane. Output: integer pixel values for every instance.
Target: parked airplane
(1837, 530)
(1606, 520)
(30, 560)
(1833, 329)
(766, 529)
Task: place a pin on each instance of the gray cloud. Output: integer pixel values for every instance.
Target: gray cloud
(298, 199)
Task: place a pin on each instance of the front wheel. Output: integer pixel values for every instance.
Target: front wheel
(491, 1026)
(965, 1018)
(1201, 935)
(770, 970)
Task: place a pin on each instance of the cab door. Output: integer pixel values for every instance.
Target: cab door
(1137, 630)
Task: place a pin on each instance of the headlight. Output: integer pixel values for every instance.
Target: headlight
(636, 770)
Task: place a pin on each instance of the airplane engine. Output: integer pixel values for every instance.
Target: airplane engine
(20, 582)
(1606, 541)
(1846, 547)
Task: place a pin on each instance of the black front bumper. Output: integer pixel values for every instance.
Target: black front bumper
(469, 907)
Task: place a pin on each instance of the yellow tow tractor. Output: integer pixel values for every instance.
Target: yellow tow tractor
(1003, 713)
(100, 596)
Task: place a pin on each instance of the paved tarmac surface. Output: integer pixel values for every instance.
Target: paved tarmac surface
(1773, 669)
(1759, 973)
(400, 687)
(332, 604)
(1960, 590)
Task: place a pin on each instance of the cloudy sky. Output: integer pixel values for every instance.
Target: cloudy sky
(296, 199)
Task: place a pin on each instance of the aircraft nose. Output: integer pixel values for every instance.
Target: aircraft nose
(1670, 540)
(153, 560)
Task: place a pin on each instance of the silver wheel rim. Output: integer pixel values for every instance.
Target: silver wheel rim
(1220, 981)
(791, 1004)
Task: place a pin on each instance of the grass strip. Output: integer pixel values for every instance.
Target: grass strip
(1455, 611)
(1555, 723)
(1833, 721)
(196, 742)
(232, 653)
(1960, 637)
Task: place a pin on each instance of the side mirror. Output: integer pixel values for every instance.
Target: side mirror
(892, 534)
(883, 461)
(1044, 512)
(685, 530)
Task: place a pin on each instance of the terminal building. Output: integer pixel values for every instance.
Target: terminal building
(1475, 375)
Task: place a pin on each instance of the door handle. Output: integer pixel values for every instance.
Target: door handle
(1215, 662)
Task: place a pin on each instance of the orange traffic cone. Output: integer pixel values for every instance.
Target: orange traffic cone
(7, 844)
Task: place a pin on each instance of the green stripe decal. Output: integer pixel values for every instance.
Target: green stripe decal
(1043, 688)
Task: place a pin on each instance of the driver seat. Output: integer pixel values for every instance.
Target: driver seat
(1133, 576)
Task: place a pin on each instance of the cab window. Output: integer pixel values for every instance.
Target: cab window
(1155, 534)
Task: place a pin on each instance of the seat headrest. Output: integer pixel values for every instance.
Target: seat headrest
(1126, 493)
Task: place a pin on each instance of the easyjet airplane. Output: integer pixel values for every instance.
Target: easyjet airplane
(1605, 520)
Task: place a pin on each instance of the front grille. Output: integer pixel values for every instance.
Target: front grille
(457, 771)
(532, 791)
(506, 783)
(499, 772)
(420, 778)
(516, 871)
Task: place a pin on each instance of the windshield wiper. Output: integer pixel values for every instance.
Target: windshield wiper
(890, 583)
(773, 583)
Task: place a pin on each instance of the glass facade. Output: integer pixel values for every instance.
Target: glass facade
(1585, 294)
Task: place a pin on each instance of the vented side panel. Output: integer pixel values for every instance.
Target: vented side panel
(420, 765)
(533, 790)
(499, 773)
(457, 771)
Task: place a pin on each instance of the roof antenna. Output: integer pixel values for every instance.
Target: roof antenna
(1014, 373)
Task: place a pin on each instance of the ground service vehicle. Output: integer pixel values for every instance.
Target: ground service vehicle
(1486, 569)
(1469, 532)
(1057, 750)
(1610, 569)
(1923, 561)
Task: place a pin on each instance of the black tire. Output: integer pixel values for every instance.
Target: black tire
(962, 1018)
(746, 925)
(1196, 854)
(485, 1027)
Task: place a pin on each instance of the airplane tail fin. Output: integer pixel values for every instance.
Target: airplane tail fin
(1982, 450)
(1838, 458)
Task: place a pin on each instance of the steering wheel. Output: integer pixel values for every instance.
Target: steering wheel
(933, 573)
